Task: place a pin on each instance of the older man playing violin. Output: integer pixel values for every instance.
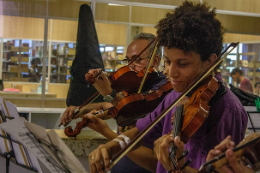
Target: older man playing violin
(192, 38)
(135, 48)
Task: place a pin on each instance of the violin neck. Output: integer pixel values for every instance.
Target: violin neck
(240, 150)
(177, 123)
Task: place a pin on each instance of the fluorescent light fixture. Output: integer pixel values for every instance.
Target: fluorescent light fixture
(101, 49)
(109, 49)
(115, 4)
(120, 47)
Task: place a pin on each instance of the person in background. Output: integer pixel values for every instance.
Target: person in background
(245, 84)
(257, 88)
(34, 75)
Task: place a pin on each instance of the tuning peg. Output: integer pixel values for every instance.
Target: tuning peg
(186, 164)
(184, 154)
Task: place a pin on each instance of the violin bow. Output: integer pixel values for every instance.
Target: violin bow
(220, 160)
(94, 96)
(85, 104)
(124, 151)
(132, 60)
(148, 67)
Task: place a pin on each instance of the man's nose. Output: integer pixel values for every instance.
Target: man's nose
(173, 71)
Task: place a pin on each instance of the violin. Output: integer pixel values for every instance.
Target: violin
(131, 107)
(124, 79)
(196, 110)
(127, 78)
(123, 111)
(247, 151)
(189, 116)
(70, 132)
(90, 78)
(189, 89)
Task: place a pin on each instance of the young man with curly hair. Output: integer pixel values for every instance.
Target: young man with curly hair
(192, 38)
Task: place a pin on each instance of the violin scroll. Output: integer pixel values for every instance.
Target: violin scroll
(80, 125)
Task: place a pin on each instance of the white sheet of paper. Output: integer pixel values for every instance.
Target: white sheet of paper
(64, 153)
(20, 154)
(12, 110)
(19, 132)
(5, 145)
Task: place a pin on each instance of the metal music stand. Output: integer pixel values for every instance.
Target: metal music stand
(46, 146)
(58, 166)
(8, 151)
(252, 110)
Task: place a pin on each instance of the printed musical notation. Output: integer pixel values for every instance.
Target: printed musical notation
(48, 147)
(21, 133)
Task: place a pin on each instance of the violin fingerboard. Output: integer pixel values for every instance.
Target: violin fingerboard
(177, 122)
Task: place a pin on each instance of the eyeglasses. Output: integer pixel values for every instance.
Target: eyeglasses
(137, 61)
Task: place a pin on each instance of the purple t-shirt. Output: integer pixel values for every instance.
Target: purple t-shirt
(226, 117)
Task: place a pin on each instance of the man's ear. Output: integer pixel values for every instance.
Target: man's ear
(156, 61)
(211, 59)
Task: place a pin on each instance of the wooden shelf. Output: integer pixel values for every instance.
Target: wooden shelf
(9, 72)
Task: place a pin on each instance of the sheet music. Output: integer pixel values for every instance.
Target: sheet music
(10, 110)
(20, 133)
(65, 153)
(5, 145)
(67, 158)
(22, 156)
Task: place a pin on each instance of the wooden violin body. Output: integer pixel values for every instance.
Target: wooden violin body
(125, 79)
(128, 109)
(197, 109)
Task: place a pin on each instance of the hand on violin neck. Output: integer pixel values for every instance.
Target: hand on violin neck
(68, 115)
(96, 123)
(223, 146)
(103, 85)
(161, 150)
(234, 165)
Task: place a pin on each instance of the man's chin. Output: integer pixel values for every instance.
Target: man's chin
(178, 90)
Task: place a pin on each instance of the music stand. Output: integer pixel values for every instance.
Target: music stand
(48, 147)
(11, 149)
(254, 118)
(10, 156)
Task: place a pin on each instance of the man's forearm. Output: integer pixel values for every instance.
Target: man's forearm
(93, 106)
(109, 134)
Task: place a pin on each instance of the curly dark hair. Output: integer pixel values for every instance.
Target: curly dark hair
(192, 28)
